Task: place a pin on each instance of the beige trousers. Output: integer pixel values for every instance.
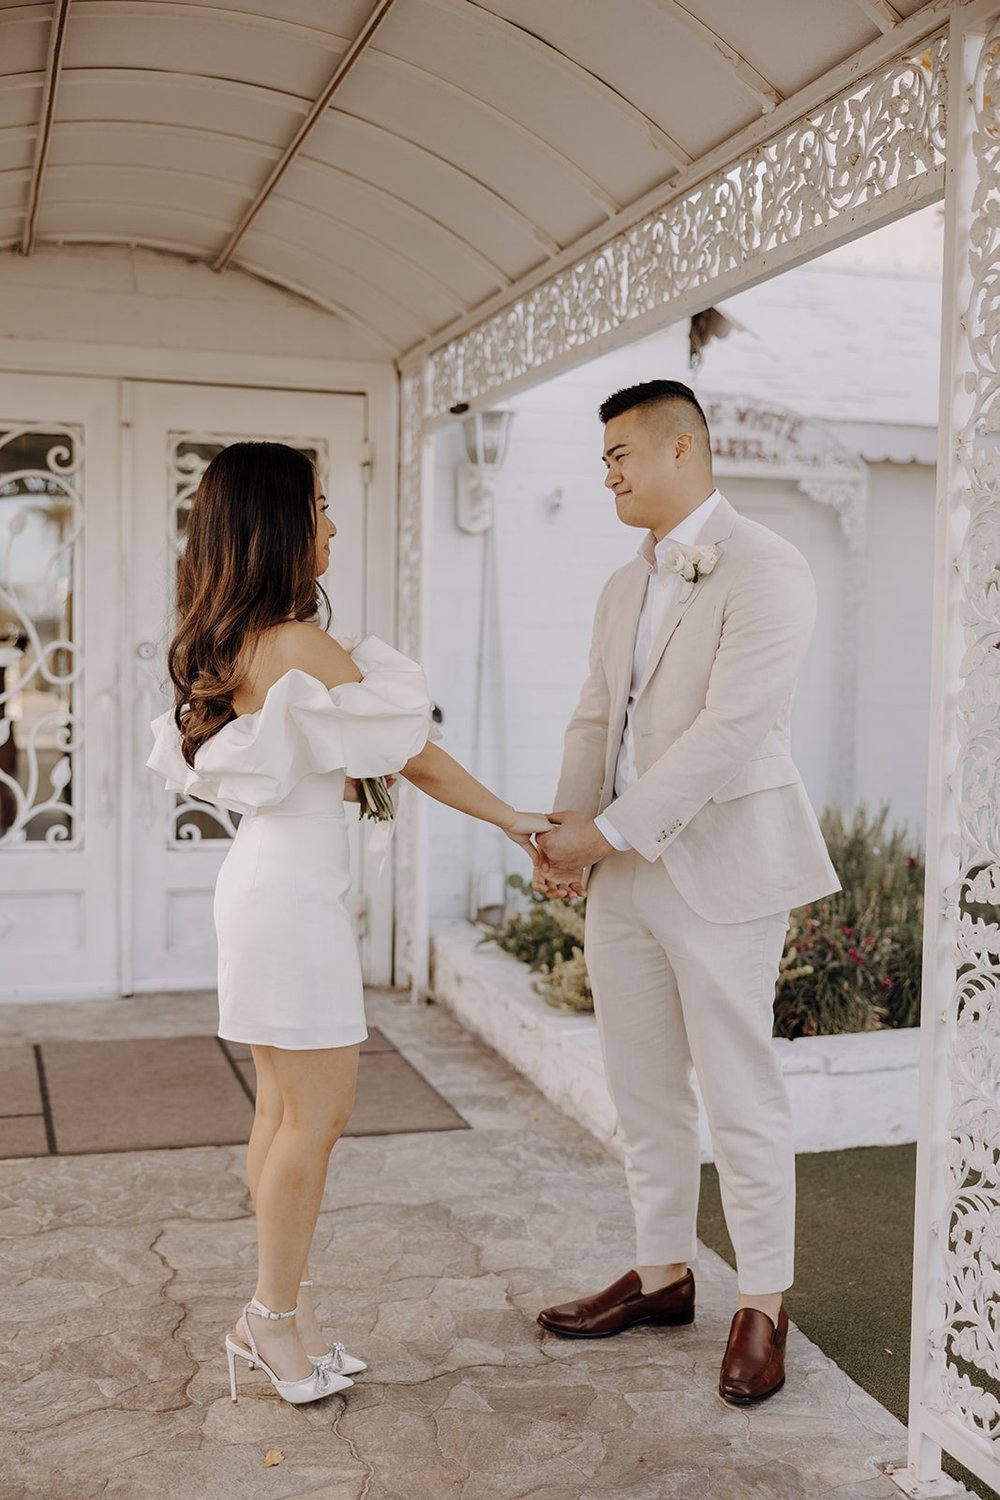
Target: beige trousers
(674, 992)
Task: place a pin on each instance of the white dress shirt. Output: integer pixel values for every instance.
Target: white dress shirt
(661, 587)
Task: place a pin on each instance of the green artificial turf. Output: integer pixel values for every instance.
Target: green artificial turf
(854, 1263)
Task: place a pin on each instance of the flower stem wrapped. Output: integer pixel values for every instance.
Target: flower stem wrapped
(376, 799)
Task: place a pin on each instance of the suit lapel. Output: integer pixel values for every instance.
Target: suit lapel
(717, 528)
(623, 647)
(673, 618)
(619, 659)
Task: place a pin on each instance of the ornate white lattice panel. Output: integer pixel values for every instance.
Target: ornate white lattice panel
(965, 1343)
(880, 138)
(41, 730)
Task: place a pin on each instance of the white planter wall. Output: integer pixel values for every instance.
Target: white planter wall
(845, 1090)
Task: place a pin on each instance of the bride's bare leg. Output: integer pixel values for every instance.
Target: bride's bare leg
(268, 1112)
(287, 1165)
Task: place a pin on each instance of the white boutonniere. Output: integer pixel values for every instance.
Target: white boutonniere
(690, 564)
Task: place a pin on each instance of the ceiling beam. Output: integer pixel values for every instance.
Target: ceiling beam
(745, 73)
(53, 69)
(347, 62)
(884, 15)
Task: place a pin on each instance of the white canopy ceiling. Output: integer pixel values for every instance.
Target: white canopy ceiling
(399, 162)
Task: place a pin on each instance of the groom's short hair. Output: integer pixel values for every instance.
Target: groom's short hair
(663, 393)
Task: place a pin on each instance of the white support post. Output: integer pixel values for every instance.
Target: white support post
(416, 512)
(955, 1359)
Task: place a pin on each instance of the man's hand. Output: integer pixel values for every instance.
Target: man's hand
(575, 842)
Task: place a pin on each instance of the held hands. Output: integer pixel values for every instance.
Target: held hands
(521, 826)
(558, 885)
(565, 843)
(573, 843)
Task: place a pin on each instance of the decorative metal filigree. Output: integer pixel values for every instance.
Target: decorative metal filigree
(41, 520)
(847, 157)
(965, 1345)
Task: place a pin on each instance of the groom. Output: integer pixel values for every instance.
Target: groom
(681, 796)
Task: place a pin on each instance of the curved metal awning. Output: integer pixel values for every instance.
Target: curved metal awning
(401, 163)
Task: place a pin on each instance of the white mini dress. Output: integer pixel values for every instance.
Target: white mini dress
(289, 970)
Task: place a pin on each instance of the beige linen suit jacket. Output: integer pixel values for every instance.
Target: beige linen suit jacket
(718, 796)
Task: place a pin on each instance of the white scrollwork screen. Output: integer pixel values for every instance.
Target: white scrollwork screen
(41, 661)
(193, 821)
(965, 1343)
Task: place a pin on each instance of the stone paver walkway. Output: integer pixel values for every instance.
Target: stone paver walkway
(122, 1272)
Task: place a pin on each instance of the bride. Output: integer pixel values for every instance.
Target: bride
(271, 718)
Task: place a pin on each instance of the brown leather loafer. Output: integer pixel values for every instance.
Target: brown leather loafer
(754, 1363)
(620, 1306)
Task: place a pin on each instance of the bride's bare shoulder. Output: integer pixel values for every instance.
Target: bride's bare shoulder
(295, 644)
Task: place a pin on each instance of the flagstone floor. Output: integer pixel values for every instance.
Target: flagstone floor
(121, 1272)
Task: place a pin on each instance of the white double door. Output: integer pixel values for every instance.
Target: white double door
(106, 880)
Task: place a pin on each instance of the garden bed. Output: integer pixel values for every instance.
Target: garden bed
(852, 1090)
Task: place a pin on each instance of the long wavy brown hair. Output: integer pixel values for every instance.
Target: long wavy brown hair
(249, 564)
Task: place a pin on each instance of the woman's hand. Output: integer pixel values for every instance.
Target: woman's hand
(558, 885)
(520, 826)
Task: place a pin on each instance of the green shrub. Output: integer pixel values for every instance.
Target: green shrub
(851, 962)
(548, 937)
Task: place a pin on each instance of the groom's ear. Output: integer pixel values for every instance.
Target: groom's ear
(684, 447)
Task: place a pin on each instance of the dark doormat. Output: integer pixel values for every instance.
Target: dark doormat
(148, 1094)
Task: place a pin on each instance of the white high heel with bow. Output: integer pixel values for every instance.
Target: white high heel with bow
(336, 1359)
(324, 1380)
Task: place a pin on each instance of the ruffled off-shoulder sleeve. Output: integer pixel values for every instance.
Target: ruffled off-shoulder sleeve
(367, 728)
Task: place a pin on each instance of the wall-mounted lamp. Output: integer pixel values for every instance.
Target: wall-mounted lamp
(486, 434)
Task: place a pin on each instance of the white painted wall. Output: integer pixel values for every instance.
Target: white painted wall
(552, 564)
(894, 686)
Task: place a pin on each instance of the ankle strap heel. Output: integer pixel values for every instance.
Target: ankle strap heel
(322, 1382)
(261, 1311)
